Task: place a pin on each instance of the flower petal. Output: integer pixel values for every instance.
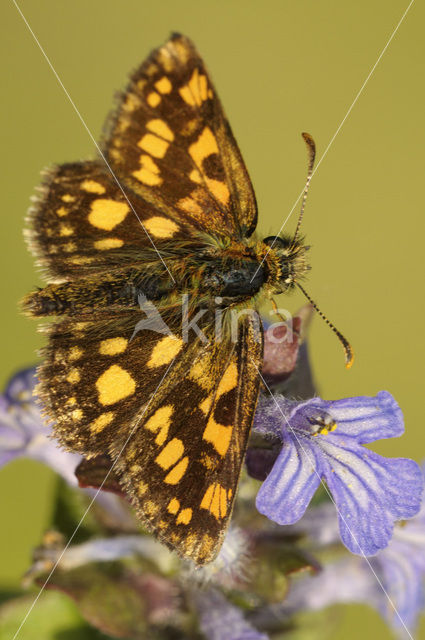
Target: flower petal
(344, 581)
(368, 418)
(20, 387)
(47, 451)
(220, 620)
(272, 415)
(398, 572)
(371, 493)
(286, 493)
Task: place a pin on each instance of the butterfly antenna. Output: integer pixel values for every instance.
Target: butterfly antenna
(348, 350)
(311, 148)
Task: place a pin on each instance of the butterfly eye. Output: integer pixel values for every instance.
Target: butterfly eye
(275, 241)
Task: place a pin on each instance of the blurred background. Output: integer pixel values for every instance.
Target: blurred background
(280, 68)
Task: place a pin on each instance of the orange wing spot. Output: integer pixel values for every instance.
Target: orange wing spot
(142, 488)
(187, 96)
(163, 85)
(113, 346)
(106, 214)
(176, 474)
(81, 260)
(153, 145)
(68, 198)
(206, 551)
(165, 351)
(205, 405)
(161, 227)
(76, 415)
(173, 506)
(151, 508)
(147, 177)
(114, 385)
(223, 502)
(160, 128)
(219, 190)
(172, 452)
(65, 230)
(200, 371)
(160, 422)
(101, 422)
(61, 212)
(149, 164)
(195, 176)
(91, 186)
(132, 102)
(75, 353)
(153, 99)
(218, 435)
(185, 516)
(214, 501)
(148, 172)
(205, 145)
(229, 379)
(73, 376)
(108, 243)
(196, 90)
(208, 496)
(190, 205)
(203, 87)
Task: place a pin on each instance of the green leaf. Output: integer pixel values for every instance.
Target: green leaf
(70, 505)
(54, 617)
(122, 599)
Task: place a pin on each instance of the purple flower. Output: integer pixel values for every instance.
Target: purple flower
(23, 432)
(220, 620)
(323, 440)
(392, 581)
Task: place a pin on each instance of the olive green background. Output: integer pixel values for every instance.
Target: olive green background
(280, 67)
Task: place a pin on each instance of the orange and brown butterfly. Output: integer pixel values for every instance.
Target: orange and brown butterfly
(168, 209)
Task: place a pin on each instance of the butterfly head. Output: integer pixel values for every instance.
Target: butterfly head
(290, 256)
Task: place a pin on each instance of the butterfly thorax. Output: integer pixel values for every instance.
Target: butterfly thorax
(259, 268)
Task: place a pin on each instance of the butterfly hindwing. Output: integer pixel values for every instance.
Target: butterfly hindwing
(171, 143)
(181, 411)
(96, 377)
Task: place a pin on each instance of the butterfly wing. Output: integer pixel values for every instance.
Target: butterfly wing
(174, 417)
(194, 448)
(84, 222)
(170, 142)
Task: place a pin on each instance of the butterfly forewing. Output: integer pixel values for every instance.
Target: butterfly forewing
(170, 141)
(194, 446)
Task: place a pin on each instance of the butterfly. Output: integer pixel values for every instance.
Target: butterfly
(166, 213)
